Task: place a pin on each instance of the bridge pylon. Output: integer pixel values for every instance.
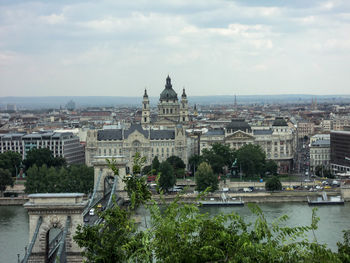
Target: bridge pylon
(53, 219)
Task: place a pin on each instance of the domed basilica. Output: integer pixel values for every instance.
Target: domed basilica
(170, 110)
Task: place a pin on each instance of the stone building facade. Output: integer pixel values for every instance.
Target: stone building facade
(278, 141)
(126, 142)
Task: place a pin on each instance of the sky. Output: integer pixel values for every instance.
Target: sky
(208, 47)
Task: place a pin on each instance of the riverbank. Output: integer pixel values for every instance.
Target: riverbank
(252, 197)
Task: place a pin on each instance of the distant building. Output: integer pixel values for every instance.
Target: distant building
(305, 128)
(63, 144)
(11, 107)
(127, 141)
(278, 141)
(70, 105)
(340, 151)
(319, 154)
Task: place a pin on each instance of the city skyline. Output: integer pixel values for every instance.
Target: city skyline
(60, 48)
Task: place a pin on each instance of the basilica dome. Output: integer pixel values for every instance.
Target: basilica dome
(168, 93)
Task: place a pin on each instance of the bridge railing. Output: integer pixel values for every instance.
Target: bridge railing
(32, 242)
(62, 245)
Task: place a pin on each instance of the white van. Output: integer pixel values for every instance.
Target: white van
(92, 212)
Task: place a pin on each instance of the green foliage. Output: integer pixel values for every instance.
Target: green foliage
(181, 233)
(194, 161)
(5, 180)
(270, 167)
(167, 178)
(206, 178)
(41, 157)
(76, 178)
(219, 156)
(114, 240)
(146, 170)
(344, 248)
(323, 171)
(11, 161)
(251, 159)
(135, 185)
(138, 163)
(155, 164)
(178, 165)
(273, 184)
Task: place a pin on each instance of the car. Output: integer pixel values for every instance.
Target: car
(327, 187)
(86, 219)
(307, 180)
(247, 190)
(99, 206)
(289, 189)
(336, 183)
(92, 212)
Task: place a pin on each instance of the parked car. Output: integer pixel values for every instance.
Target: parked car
(247, 190)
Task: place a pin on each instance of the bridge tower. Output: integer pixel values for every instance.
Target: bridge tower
(102, 173)
(53, 219)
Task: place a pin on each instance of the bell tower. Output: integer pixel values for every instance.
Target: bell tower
(145, 119)
(184, 108)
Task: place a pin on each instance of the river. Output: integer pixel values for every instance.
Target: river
(333, 219)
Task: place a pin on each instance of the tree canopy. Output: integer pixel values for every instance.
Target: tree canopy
(167, 178)
(155, 164)
(206, 178)
(75, 178)
(42, 156)
(252, 159)
(219, 156)
(11, 161)
(5, 180)
(273, 184)
(179, 232)
(178, 165)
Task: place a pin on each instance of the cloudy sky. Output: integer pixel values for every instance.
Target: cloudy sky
(210, 47)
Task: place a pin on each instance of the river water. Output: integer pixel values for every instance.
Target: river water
(333, 219)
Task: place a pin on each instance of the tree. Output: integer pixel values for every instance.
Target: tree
(138, 163)
(146, 170)
(323, 171)
(167, 178)
(155, 164)
(194, 161)
(205, 178)
(11, 161)
(75, 178)
(135, 185)
(219, 156)
(42, 156)
(251, 159)
(273, 184)
(5, 180)
(271, 167)
(113, 241)
(178, 165)
(182, 233)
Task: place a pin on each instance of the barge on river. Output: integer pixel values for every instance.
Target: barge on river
(324, 200)
(224, 201)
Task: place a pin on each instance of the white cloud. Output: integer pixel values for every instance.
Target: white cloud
(53, 19)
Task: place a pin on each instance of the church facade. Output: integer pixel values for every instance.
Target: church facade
(164, 137)
(170, 110)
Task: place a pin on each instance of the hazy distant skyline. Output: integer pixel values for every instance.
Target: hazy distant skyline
(213, 47)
